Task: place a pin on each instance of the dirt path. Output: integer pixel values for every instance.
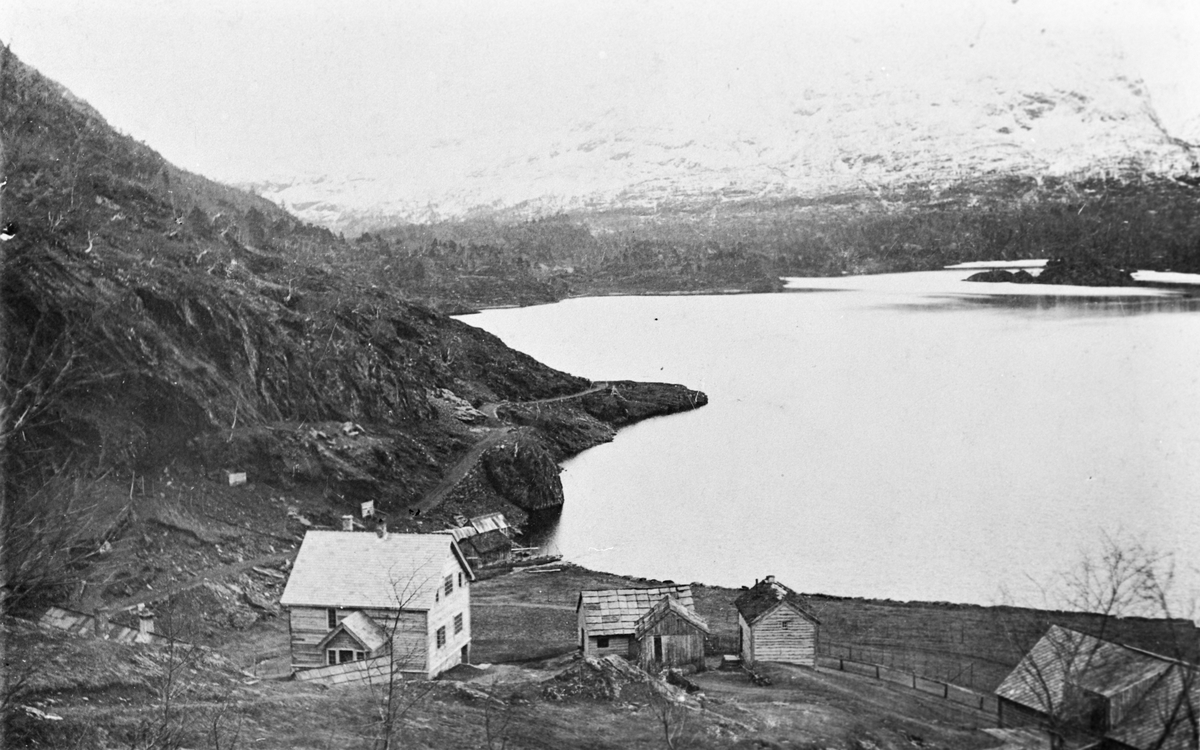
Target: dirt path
(212, 574)
(490, 409)
(461, 469)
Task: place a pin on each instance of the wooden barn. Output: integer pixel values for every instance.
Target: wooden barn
(669, 635)
(608, 618)
(487, 548)
(1102, 694)
(774, 625)
(358, 595)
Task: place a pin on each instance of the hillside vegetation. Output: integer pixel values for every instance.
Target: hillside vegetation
(1129, 222)
(158, 322)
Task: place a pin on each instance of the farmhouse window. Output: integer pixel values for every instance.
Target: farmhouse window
(331, 618)
(460, 580)
(343, 655)
(441, 637)
(602, 641)
(449, 585)
(458, 623)
(785, 624)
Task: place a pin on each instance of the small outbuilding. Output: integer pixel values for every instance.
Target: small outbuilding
(1087, 691)
(609, 618)
(353, 596)
(669, 635)
(774, 624)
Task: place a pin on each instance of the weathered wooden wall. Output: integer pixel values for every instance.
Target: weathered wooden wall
(682, 644)
(784, 635)
(1010, 714)
(309, 625)
(617, 644)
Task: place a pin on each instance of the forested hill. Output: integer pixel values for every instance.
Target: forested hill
(153, 317)
(1127, 221)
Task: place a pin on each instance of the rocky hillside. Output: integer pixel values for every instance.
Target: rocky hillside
(155, 318)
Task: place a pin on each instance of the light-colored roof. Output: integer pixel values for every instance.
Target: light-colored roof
(616, 611)
(358, 570)
(489, 522)
(658, 611)
(458, 533)
(360, 627)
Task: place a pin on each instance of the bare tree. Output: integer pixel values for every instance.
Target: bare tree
(497, 720)
(396, 692)
(671, 714)
(1067, 673)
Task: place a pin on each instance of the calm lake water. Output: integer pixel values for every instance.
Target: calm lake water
(907, 436)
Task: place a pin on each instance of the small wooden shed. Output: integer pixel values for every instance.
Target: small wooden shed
(775, 625)
(607, 618)
(1115, 695)
(669, 635)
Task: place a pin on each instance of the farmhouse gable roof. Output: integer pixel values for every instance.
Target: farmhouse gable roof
(361, 628)
(359, 570)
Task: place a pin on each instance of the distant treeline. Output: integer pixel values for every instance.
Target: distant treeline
(1149, 224)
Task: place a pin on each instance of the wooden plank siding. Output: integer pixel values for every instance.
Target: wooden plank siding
(782, 635)
(681, 643)
(1012, 714)
(310, 625)
(619, 645)
(745, 641)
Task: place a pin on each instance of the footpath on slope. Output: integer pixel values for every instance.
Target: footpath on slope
(460, 470)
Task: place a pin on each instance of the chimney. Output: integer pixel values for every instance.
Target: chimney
(770, 579)
(347, 523)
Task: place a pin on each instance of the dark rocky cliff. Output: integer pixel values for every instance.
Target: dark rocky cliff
(156, 318)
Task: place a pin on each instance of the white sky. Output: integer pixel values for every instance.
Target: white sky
(241, 90)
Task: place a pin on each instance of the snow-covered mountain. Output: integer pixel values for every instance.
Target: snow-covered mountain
(781, 123)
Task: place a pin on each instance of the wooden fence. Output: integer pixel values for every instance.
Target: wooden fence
(948, 691)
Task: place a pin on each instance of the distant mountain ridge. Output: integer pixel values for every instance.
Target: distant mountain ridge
(861, 131)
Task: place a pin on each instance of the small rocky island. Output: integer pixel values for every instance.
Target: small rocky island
(1069, 271)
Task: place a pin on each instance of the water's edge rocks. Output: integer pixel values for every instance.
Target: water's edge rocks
(1065, 271)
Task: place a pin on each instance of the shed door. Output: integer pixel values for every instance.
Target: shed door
(658, 648)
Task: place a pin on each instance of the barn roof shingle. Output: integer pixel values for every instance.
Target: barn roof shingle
(764, 595)
(616, 611)
(357, 570)
(1063, 656)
